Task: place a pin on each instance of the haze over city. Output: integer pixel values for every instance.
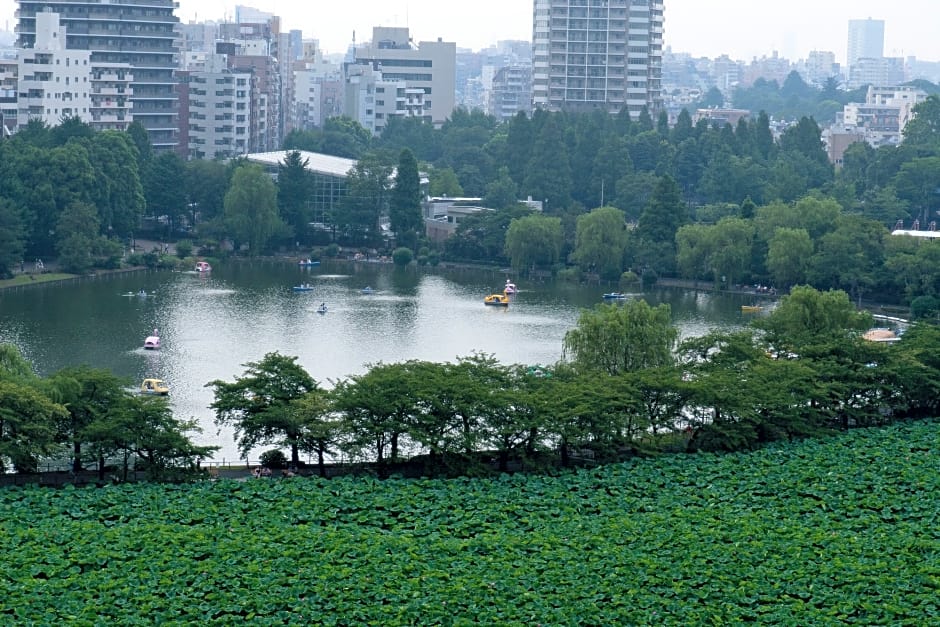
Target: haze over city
(740, 28)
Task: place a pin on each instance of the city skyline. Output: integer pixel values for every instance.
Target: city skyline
(740, 28)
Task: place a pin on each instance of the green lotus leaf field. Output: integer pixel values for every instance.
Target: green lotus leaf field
(822, 532)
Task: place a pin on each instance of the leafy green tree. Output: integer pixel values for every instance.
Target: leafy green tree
(402, 256)
(377, 408)
(763, 136)
(206, 183)
(788, 256)
(27, 419)
(365, 200)
(924, 128)
(694, 247)
(443, 182)
(817, 216)
(728, 178)
(13, 366)
(88, 394)
(665, 213)
(731, 253)
(162, 183)
(634, 191)
(850, 256)
(614, 339)
(501, 193)
(600, 242)
(77, 229)
(251, 208)
(918, 182)
(658, 224)
(144, 427)
(548, 175)
(482, 236)
(713, 98)
(534, 241)
(258, 405)
(294, 184)
(404, 210)
(415, 133)
(141, 139)
(807, 317)
(322, 428)
(12, 237)
(68, 129)
(118, 193)
(520, 141)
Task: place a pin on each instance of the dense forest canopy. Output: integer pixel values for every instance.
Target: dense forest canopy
(703, 201)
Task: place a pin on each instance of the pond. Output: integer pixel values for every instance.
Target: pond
(210, 325)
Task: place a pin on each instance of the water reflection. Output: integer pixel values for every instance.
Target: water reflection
(211, 325)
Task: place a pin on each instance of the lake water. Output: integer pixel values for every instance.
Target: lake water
(210, 325)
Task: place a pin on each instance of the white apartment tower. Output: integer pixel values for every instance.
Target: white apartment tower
(597, 54)
(138, 33)
(57, 83)
(866, 40)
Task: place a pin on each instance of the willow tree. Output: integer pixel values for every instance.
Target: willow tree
(534, 241)
(614, 339)
(251, 208)
(600, 240)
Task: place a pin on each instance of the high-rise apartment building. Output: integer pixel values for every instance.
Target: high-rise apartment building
(866, 40)
(597, 54)
(56, 83)
(139, 33)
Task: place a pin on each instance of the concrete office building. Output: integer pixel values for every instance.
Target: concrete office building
(372, 100)
(597, 54)
(428, 67)
(136, 32)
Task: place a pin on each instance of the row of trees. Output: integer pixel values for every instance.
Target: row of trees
(80, 195)
(623, 386)
(661, 176)
(88, 417)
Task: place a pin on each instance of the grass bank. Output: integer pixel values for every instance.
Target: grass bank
(21, 280)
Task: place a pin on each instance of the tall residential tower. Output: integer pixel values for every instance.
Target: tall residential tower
(597, 54)
(866, 40)
(139, 33)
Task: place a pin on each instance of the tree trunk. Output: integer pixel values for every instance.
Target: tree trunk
(76, 456)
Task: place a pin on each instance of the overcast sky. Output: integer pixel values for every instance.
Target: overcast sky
(740, 28)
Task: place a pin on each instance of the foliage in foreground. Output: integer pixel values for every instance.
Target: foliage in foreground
(838, 531)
